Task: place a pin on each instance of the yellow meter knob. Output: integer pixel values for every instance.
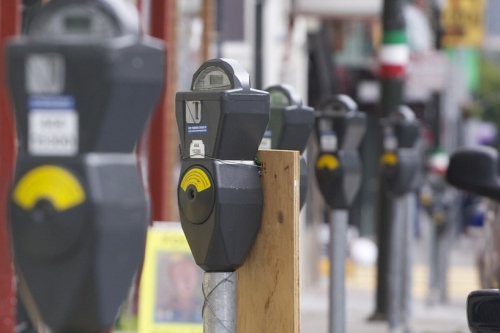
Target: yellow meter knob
(327, 161)
(389, 158)
(50, 182)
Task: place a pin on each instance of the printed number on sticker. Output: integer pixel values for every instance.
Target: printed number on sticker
(53, 132)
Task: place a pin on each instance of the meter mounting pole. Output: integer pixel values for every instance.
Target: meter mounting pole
(393, 60)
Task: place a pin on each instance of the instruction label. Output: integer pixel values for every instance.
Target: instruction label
(52, 126)
(49, 182)
(197, 149)
(198, 129)
(196, 177)
(328, 142)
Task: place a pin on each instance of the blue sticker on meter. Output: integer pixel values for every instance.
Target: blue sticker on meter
(56, 102)
(198, 129)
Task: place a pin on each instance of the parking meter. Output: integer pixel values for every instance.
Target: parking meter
(289, 127)
(401, 159)
(340, 127)
(84, 82)
(221, 123)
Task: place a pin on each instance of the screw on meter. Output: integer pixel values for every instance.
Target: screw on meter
(339, 128)
(221, 122)
(84, 81)
(289, 128)
(401, 157)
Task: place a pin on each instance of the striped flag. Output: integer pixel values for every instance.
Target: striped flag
(394, 55)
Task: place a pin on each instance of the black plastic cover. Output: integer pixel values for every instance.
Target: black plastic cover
(115, 85)
(475, 169)
(76, 266)
(483, 309)
(222, 242)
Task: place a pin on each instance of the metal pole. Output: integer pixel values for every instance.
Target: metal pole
(411, 216)
(338, 246)
(219, 308)
(393, 60)
(259, 9)
(396, 264)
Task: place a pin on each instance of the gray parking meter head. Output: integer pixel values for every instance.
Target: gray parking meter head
(475, 169)
(483, 307)
(83, 81)
(339, 124)
(340, 127)
(402, 159)
(81, 71)
(220, 202)
(222, 117)
(291, 122)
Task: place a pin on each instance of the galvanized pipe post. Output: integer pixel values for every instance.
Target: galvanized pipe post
(219, 308)
(338, 247)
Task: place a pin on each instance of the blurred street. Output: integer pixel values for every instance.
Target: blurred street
(425, 318)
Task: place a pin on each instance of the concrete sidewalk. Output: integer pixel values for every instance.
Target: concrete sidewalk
(425, 318)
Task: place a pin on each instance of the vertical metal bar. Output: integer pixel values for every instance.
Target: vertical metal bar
(259, 9)
(9, 26)
(411, 208)
(338, 247)
(219, 308)
(396, 266)
(391, 97)
(432, 240)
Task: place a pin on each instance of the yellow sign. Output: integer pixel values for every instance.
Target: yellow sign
(49, 182)
(196, 177)
(171, 297)
(389, 159)
(463, 23)
(327, 161)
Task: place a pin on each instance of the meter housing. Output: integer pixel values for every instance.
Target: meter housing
(83, 81)
(221, 123)
(339, 127)
(401, 160)
(289, 127)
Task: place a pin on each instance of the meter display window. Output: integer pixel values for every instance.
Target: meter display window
(212, 78)
(78, 24)
(278, 98)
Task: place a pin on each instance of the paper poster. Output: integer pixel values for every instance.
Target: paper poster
(171, 297)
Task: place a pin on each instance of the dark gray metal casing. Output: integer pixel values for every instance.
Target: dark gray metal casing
(339, 168)
(109, 92)
(76, 265)
(220, 193)
(221, 237)
(233, 121)
(406, 174)
(290, 126)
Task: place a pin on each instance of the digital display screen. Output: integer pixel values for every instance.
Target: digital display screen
(81, 24)
(216, 79)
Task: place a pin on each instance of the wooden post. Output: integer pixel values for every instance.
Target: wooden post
(268, 282)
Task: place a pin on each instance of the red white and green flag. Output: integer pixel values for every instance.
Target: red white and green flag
(394, 55)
